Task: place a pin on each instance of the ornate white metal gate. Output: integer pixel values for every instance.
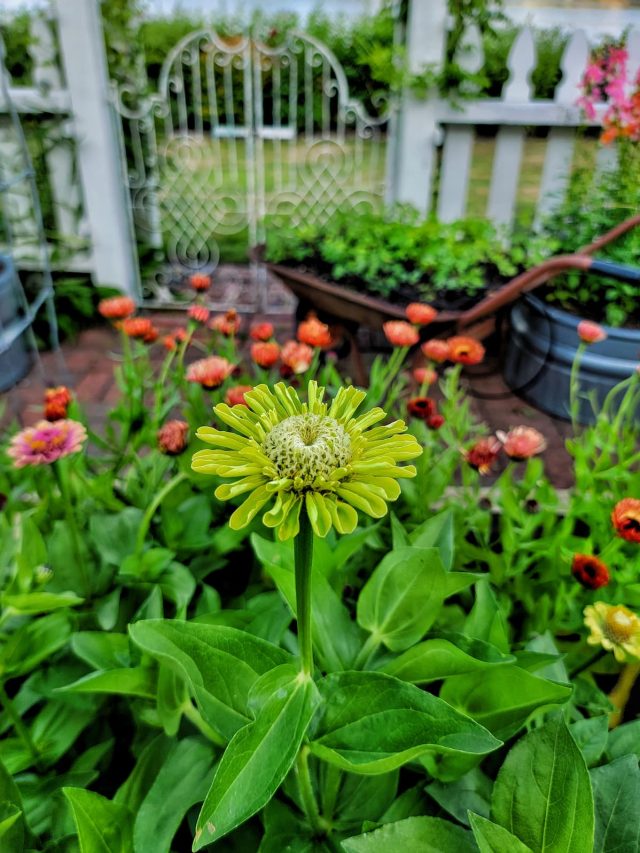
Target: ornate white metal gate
(241, 137)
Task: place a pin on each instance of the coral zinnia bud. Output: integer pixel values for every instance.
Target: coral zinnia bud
(464, 350)
(314, 333)
(421, 407)
(261, 332)
(522, 442)
(56, 401)
(626, 519)
(169, 343)
(420, 314)
(615, 628)
(425, 375)
(200, 282)
(210, 372)
(400, 334)
(436, 350)
(483, 454)
(235, 395)
(296, 357)
(140, 327)
(591, 333)
(198, 313)
(172, 437)
(265, 353)
(589, 571)
(116, 307)
(314, 457)
(435, 421)
(46, 442)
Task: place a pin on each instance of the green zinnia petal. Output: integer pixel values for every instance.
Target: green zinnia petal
(247, 511)
(318, 512)
(345, 518)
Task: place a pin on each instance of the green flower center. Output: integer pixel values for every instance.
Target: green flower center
(304, 448)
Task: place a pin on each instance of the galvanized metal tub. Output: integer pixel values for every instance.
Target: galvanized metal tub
(14, 360)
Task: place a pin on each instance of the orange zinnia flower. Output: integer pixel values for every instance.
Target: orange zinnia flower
(265, 353)
(198, 313)
(400, 334)
(210, 372)
(626, 519)
(420, 314)
(116, 307)
(172, 437)
(140, 327)
(464, 350)
(436, 350)
(200, 282)
(314, 332)
(235, 395)
(261, 332)
(227, 324)
(589, 571)
(296, 357)
(169, 343)
(483, 454)
(56, 401)
(522, 442)
(591, 333)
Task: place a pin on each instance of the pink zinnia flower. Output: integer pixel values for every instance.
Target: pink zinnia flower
(400, 334)
(296, 357)
(199, 313)
(173, 436)
(591, 333)
(235, 395)
(210, 372)
(420, 314)
(425, 375)
(46, 442)
(522, 442)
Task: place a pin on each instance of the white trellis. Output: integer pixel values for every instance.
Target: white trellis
(239, 136)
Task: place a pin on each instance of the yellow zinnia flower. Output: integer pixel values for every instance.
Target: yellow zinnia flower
(615, 628)
(314, 453)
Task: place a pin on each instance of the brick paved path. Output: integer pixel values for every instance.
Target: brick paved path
(88, 368)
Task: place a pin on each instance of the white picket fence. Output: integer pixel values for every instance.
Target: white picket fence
(430, 144)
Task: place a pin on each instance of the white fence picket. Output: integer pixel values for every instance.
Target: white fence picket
(507, 158)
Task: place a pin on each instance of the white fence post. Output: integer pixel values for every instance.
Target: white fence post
(417, 127)
(107, 210)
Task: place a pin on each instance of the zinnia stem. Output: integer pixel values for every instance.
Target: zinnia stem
(21, 730)
(153, 506)
(620, 694)
(574, 386)
(306, 789)
(303, 558)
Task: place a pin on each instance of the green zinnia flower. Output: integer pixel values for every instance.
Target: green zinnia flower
(314, 453)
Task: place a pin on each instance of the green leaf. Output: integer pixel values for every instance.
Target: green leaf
(591, 737)
(445, 655)
(403, 596)
(256, 761)
(40, 602)
(284, 831)
(472, 792)
(220, 664)
(132, 681)
(182, 781)
(150, 761)
(362, 798)
(493, 838)
(34, 642)
(624, 740)
(101, 650)
(543, 794)
(372, 723)
(114, 535)
(616, 794)
(103, 826)
(502, 698)
(10, 821)
(426, 834)
(13, 836)
(486, 621)
(436, 532)
(336, 637)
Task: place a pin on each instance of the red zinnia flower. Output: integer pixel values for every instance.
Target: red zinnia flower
(227, 324)
(483, 454)
(522, 442)
(172, 437)
(140, 327)
(198, 313)
(435, 421)
(420, 314)
(464, 350)
(436, 350)
(400, 334)
(56, 401)
(314, 333)
(421, 407)
(235, 395)
(210, 372)
(591, 333)
(261, 332)
(200, 282)
(626, 519)
(589, 571)
(265, 353)
(116, 307)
